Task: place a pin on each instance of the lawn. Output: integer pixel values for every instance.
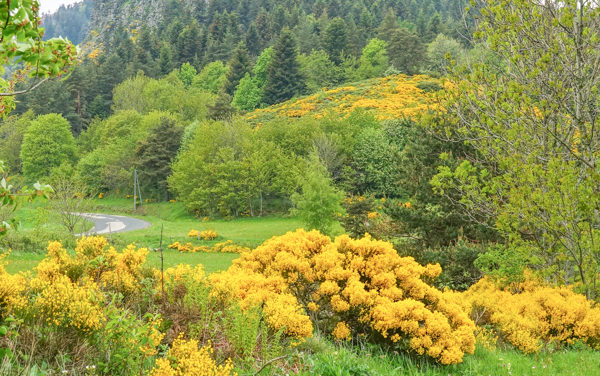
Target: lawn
(176, 223)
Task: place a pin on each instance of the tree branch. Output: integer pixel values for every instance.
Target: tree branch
(31, 88)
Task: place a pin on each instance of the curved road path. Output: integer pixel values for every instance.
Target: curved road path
(107, 223)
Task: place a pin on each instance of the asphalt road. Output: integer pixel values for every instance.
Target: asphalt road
(106, 223)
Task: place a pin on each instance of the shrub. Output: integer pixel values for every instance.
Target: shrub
(185, 358)
(530, 314)
(208, 235)
(363, 284)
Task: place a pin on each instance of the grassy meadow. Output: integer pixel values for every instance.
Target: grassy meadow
(248, 232)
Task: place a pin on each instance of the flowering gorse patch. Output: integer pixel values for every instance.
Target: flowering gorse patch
(531, 314)
(392, 97)
(185, 358)
(350, 287)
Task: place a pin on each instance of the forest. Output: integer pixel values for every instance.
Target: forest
(409, 184)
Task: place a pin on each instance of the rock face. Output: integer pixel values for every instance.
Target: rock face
(131, 15)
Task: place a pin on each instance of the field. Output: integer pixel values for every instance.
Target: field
(248, 232)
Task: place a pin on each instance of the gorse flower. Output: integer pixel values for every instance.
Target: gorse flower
(363, 284)
(186, 359)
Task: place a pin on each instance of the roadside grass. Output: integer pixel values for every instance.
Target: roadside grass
(249, 232)
(333, 360)
(246, 231)
(36, 215)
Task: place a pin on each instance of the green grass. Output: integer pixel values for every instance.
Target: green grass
(36, 214)
(249, 232)
(370, 361)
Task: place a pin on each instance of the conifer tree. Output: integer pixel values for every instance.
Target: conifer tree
(165, 61)
(155, 153)
(405, 51)
(283, 79)
(239, 65)
(335, 39)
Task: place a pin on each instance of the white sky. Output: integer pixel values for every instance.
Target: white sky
(49, 6)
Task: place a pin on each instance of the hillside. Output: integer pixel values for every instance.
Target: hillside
(392, 97)
(70, 21)
(158, 37)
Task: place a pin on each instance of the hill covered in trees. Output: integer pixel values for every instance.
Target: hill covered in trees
(71, 21)
(326, 43)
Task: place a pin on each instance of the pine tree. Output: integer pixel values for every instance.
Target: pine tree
(335, 39)
(239, 65)
(388, 26)
(253, 41)
(406, 52)
(283, 79)
(155, 153)
(165, 61)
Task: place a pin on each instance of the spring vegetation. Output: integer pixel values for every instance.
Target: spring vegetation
(335, 187)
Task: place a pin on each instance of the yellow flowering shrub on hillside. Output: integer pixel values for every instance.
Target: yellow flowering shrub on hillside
(391, 97)
(530, 314)
(363, 284)
(12, 288)
(186, 359)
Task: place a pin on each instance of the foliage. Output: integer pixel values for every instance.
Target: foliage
(248, 94)
(155, 154)
(443, 52)
(239, 65)
(186, 75)
(363, 284)
(335, 40)
(184, 358)
(532, 171)
(319, 202)
(68, 201)
(22, 45)
(319, 71)
(374, 60)
(47, 143)
(212, 78)
(12, 129)
(226, 169)
(283, 73)
(531, 314)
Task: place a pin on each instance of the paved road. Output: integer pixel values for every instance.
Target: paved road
(105, 223)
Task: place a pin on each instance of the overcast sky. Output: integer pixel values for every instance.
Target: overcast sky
(49, 6)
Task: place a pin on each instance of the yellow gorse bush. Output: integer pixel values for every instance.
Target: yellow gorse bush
(186, 359)
(121, 271)
(208, 235)
(530, 314)
(392, 97)
(363, 284)
(223, 247)
(63, 303)
(66, 291)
